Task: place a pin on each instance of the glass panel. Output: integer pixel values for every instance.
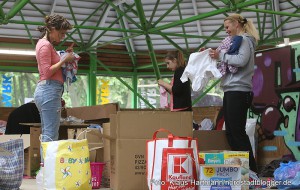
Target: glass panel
(18, 88)
(112, 90)
(148, 88)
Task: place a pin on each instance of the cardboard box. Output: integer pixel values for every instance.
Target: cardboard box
(106, 156)
(142, 124)
(34, 155)
(95, 143)
(211, 140)
(93, 112)
(217, 157)
(132, 129)
(209, 112)
(220, 177)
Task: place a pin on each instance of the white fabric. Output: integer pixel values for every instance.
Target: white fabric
(49, 166)
(250, 130)
(200, 69)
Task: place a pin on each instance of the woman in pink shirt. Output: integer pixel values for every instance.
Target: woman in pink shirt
(49, 89)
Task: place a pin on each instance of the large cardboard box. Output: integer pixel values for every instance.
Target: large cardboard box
(34, 156)
(208, 112)
(211, 140)
(95, 142)
(106, 156)
(132, 129)
(93, 112)
(219, 157)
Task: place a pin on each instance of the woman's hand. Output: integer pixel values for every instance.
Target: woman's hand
(160, 82)
(70, 48)
(214, 54)
(202, 49)
(69, 57)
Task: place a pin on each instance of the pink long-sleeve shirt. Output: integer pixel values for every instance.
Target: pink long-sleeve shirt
(46, 56)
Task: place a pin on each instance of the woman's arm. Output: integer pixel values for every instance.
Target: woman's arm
(166, 85)
(45, 60)
(241, 59)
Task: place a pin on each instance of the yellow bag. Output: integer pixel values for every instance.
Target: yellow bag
(66, 165)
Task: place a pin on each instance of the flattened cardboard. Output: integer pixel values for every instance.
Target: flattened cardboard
(93, 112)
(142, 124)
(106, 156)
(211, 140)
(95, 143)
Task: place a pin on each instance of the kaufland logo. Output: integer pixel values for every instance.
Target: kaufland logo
(181, 168)
(181, 165)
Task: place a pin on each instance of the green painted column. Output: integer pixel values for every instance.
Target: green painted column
(92, 80)
(16, 8)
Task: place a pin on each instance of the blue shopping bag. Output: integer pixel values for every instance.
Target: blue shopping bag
(11, 164)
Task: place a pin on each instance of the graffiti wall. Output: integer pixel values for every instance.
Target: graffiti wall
(276, 88)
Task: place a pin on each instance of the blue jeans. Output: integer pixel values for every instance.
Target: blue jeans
(47, 97)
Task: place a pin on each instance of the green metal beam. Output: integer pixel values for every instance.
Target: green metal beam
(133, 60)
(92, 79)
(205, 92)
(162, 34)
(2, 14)
(3, 2)
(279, 26)
(183, 29)
(207, 40)
(19, 4)
(83, 22)
(123, 14)
(202, 16)
(149, 66)
(166, 13)
(258, 24)
(110, 26)
(123, 82)
(27, 30)
(144, 24)
(36, 8)
(153, 13)
(271, 12)
(77, 26)
(113, 41)
(104, 12)
(184, 35)
(19, 69)
(75, 20)
(216, 7)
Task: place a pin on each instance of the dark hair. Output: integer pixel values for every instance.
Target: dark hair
(56, 21)
(176, 56)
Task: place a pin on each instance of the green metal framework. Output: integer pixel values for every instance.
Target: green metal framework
(144, 28)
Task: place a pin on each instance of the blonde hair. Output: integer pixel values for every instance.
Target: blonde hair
(247, 25)
(176, 56)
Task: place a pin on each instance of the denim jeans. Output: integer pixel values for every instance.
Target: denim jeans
(47, 97)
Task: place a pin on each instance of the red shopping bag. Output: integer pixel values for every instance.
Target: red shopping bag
(172, 163)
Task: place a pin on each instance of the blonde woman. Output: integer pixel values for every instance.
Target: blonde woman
(237, 86)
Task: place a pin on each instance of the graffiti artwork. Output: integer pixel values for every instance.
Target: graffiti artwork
(276, 88)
